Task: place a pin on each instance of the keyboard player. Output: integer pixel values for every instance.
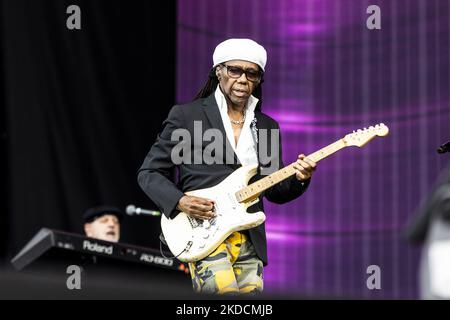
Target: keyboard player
(103, 223)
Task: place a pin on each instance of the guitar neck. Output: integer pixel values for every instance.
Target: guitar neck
(253, 190)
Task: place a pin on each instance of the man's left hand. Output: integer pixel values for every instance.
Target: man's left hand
(304, 168)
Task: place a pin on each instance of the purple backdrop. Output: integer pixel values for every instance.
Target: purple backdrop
(327, 74)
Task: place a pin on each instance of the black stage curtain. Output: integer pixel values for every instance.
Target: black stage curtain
(3, 159)
(82, 110)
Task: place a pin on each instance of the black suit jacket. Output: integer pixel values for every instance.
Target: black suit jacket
(157, 175)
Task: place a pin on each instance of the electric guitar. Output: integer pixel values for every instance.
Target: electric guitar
(190, 239)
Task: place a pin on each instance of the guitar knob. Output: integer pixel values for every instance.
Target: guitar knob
(206, 236)
(206, 224)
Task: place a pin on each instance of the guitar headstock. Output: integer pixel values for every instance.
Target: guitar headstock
(361, 137)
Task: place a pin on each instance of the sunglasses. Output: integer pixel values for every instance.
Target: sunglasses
(236, 72)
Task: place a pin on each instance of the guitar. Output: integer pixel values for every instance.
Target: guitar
(190, 239)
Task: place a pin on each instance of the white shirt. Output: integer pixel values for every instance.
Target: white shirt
(245, 148)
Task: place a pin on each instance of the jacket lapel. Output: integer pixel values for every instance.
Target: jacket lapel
(212, 112)
(257, 126)
(263, 124)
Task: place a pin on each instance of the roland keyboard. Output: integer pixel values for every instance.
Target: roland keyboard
(59, 243)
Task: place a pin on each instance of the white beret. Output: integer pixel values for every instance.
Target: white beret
(240, 49)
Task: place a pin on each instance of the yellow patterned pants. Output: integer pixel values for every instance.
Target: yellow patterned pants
(233, 268)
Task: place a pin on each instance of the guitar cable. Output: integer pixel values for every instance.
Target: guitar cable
(161, 241)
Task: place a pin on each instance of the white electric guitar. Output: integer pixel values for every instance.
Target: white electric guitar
(191, 239)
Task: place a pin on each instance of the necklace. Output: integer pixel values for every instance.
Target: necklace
(238, 122)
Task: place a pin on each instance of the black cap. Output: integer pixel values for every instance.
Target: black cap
(92, 213)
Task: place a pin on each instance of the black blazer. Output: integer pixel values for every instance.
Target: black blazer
(157, 174)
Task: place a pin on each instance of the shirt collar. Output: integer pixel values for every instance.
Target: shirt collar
(222, 101)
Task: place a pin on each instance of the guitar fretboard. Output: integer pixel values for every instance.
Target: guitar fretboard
(253, 190)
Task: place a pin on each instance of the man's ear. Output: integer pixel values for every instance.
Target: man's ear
(218, 72)
(87, 229)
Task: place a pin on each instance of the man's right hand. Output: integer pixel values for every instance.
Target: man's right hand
(199, 208)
